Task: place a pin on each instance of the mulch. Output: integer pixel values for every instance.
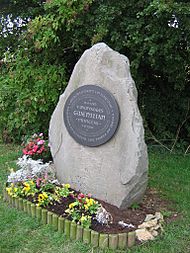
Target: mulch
(151, 203)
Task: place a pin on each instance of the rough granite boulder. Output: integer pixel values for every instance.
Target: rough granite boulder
(117, 171)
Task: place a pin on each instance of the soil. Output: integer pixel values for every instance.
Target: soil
(151, 203)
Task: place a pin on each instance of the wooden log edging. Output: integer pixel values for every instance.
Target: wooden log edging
(72, 230)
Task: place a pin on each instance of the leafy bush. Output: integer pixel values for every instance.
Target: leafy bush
(154, 35)
(28, 94)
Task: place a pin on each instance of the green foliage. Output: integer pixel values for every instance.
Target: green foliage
(28, 94)
(135, 206)
(12, 11)
(153, 34)
(64, 191)
(61, 16)
(85, 221)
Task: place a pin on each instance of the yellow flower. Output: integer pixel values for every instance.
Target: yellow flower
(27, 187)
(67, 186)
(87, 200)
(45, 195)
(86, 207)
(71, 205)
(92, 202)
(15, 189)
(40, 197)
(9, 190)
(12, 185)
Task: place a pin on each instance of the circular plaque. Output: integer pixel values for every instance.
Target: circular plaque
(91, 115)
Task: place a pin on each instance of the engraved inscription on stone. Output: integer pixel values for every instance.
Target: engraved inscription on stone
(91, 115)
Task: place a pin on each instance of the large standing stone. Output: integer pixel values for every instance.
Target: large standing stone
(116, 171)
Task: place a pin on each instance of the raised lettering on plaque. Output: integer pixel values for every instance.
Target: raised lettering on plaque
(91, 115)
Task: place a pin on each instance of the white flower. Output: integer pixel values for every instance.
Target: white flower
(31, 169)
(103, 216)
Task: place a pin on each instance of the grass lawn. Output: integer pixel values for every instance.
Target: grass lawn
(169, 174)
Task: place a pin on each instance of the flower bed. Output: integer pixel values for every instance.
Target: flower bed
(73, 230)
(35, 189)
(77, 207)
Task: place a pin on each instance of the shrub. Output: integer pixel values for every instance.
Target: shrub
(153, 34)
(28, 94)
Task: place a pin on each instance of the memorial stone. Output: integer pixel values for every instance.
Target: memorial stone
(96, 131)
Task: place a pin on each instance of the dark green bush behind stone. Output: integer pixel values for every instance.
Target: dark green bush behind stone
(159, 55)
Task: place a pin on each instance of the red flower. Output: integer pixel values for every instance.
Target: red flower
(25, 152)
(41, 150)
(35, 148)
(81, 195)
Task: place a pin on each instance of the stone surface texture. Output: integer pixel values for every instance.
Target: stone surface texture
(116, 171)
